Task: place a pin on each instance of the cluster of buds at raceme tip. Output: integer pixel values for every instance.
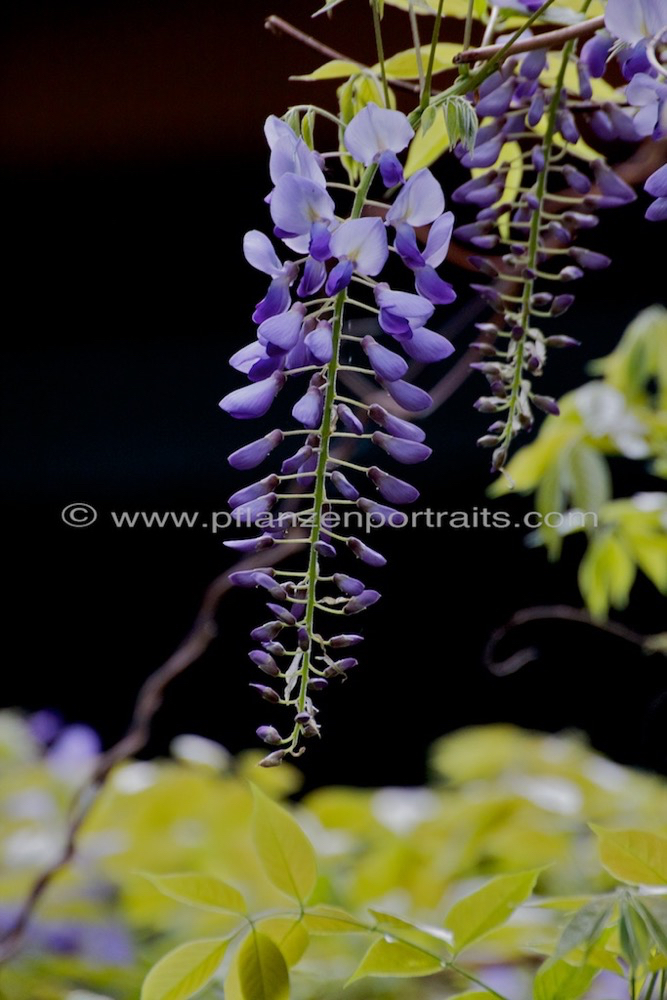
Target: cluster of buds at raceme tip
(303, 337)
(530, 197)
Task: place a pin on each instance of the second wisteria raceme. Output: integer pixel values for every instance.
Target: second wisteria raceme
(302, 335)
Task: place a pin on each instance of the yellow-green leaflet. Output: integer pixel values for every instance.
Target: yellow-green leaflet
(633, 856)
(403, 65)
(289, 934)
(284, 850)
(262, 970)
(561, 981)
(203, 891)
(489, 907)
(183, 971)
(393, 958)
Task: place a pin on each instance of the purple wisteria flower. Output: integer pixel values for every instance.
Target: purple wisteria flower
(304, 335)
(376, 135)
(656, 185)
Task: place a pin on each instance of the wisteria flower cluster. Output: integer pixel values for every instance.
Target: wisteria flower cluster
(301, 331)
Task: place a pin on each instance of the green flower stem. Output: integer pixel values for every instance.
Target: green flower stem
(377, 27)
(325, 434)
(533, 242)
(426, 90)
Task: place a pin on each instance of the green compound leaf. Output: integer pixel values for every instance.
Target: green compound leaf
(262, 970)
(324, 919)
(560, 981)
(283, 848)
(202, 891)
(633, 856)
(461, 120)
(656, 927)
(489, 907)
(184, 971)
(289, 934)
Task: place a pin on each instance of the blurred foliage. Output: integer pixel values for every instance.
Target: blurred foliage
(174, 854)
(622, 415)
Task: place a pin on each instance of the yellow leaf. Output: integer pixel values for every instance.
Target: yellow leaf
(183, 971)
(284, 850)
(332, 70)
(388, 957)
(325, 919)
(403, 65)
(633, 856)
(425, 149)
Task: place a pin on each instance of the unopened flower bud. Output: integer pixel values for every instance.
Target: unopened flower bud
(267, 693)
(269, 735)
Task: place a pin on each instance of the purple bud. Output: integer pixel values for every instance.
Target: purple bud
(340, 667)
(380, 514)
(571, 273)
(267, 693)
(532, 64)
(490, 296)
(341, 641)
(273, 759)
(391, 488)
(317, 684)
(407, 452)
(365, 553)
(541, 300)
(344, 486)
(611, 184)
(590, 259)
(249, 512)
(292, 464)
(488, 441)
(303, 639)
(253, 400)
(308, 409)
(585, 88)
(496, 102)
(489, 404)
(594, 53)
(567, 126)
(361, 602)
(254, 491)
(350, 419)
(561, 304)
(580, 220)
(603, 126)
(254, 453)
(576, 179)
(325, 549)
(537, 157)
(282, 614)
(484, 155)
(395, 425)
(250, 544)
(348, 584)
(265, 662)
(560, 340)
(536, 109)
(275, 648)
(546, 404)
(559, 233)
(269, 735)
(248, 577)
(462, 193)
(320, 342)
(267, 632)
(384, 363)
(410, 397)
(484, 265)
(656, 184)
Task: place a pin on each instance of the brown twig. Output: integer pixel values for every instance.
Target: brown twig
(278, 26)
(544, 41)
(559, 612)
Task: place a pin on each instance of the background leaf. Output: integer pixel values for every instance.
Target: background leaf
(183, 971)
(262, 969)
(477, 914)
(284, 850)
(633, 856)
(203, 891)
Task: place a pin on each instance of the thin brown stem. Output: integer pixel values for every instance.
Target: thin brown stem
(546, 40)
(557, 612)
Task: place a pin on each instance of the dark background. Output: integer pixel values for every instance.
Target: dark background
(132, 161)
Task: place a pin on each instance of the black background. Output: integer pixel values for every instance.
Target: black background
(132, 162)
